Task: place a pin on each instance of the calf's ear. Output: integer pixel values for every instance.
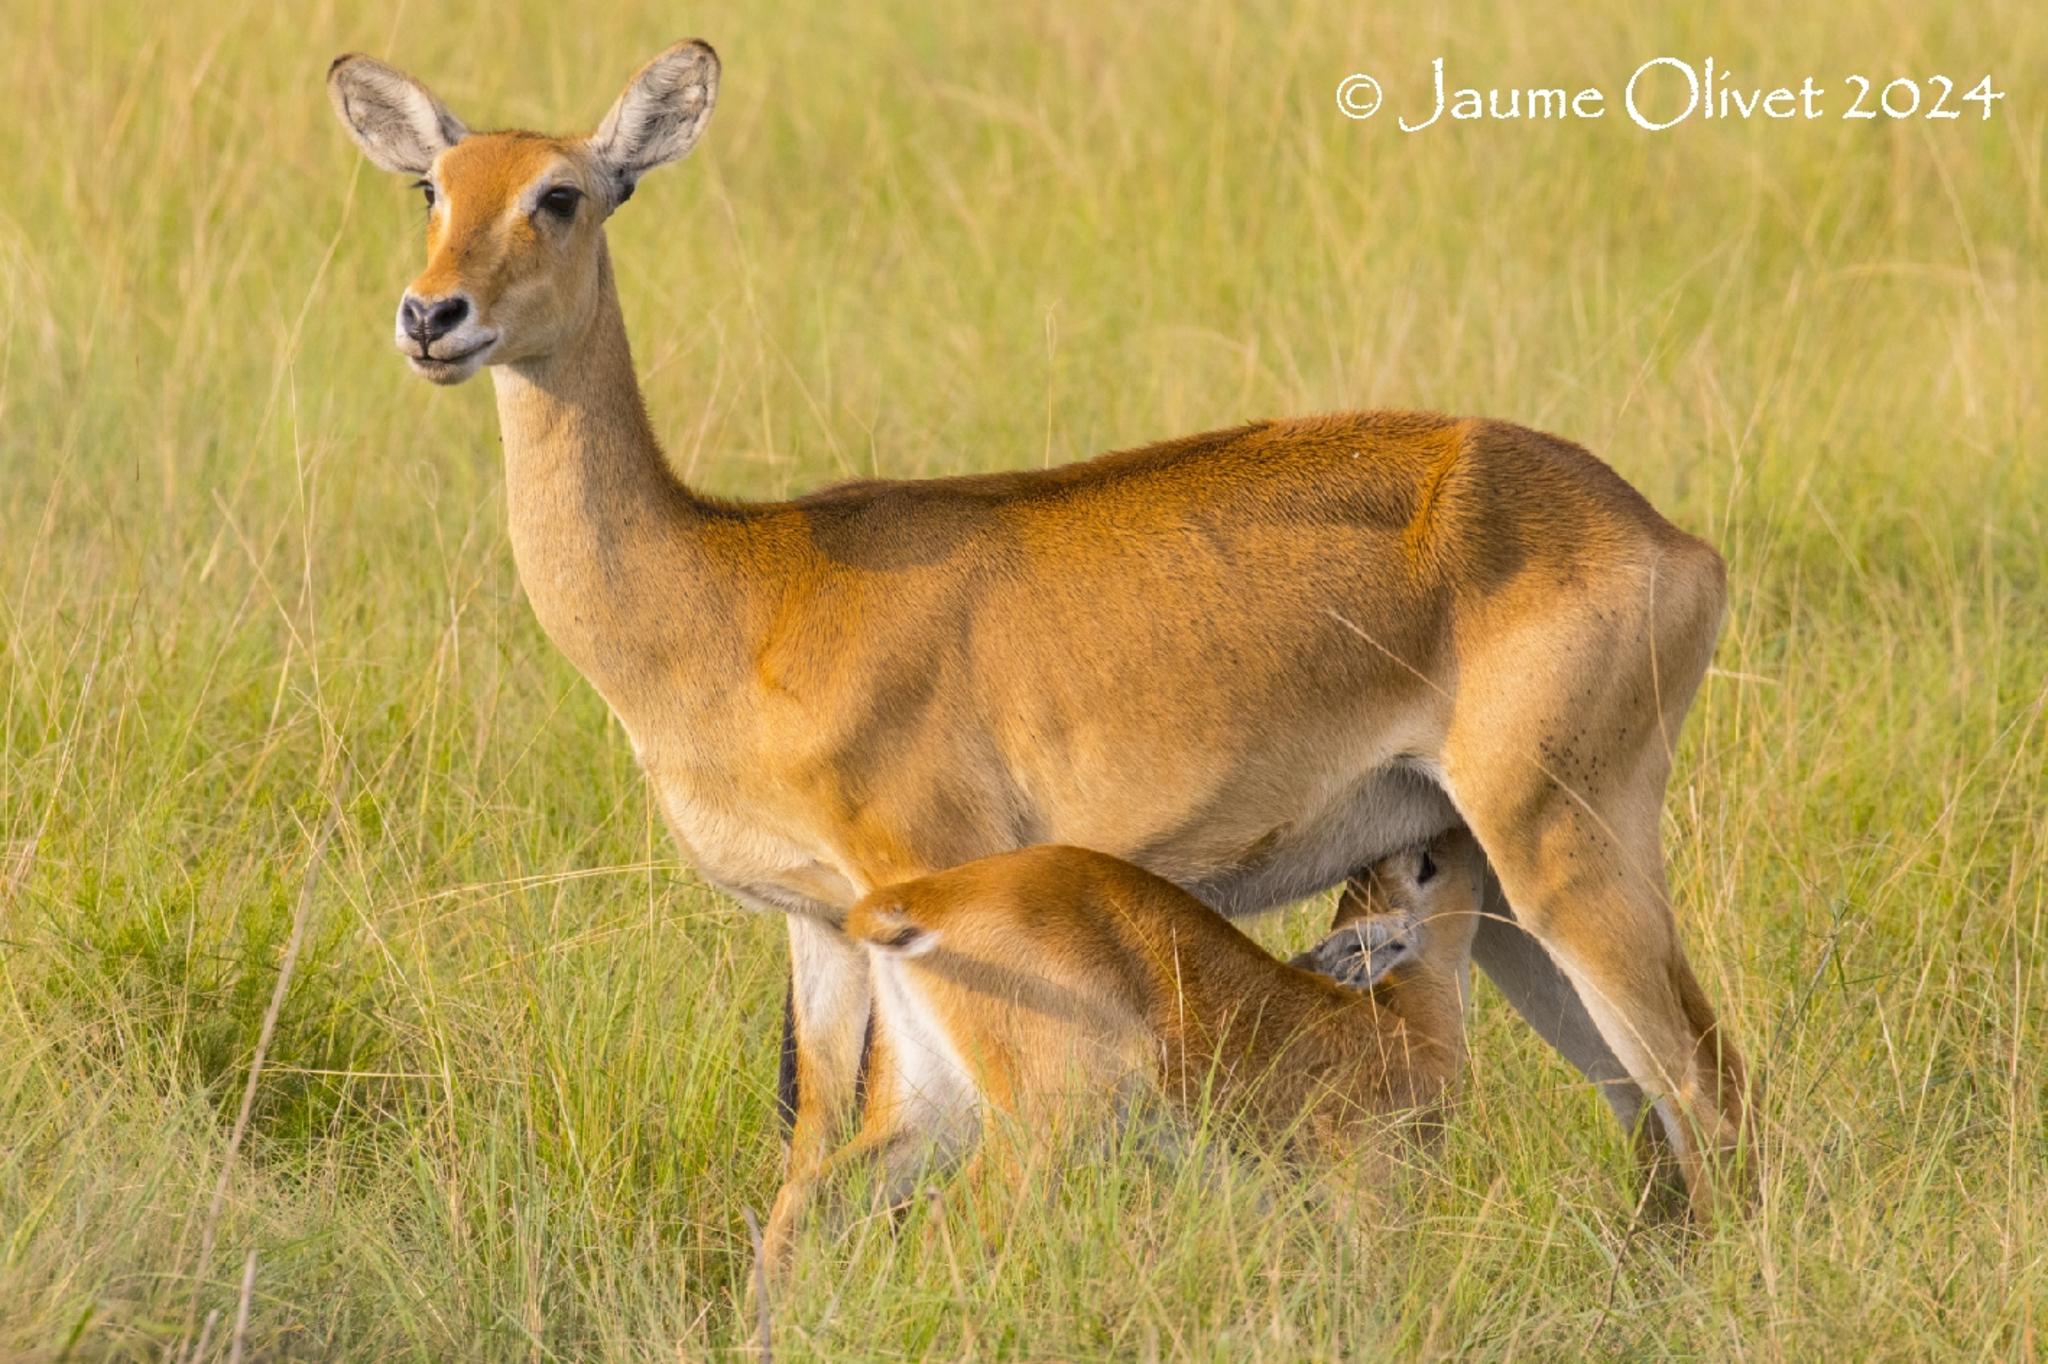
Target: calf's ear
(887, 929)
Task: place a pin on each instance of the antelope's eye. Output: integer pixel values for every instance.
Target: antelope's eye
(425, 187)
(560, 201)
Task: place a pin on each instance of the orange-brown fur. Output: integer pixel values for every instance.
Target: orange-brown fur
(1034, 987)
(1252, 661)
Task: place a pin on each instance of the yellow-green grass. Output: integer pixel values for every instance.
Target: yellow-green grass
(519, 1091)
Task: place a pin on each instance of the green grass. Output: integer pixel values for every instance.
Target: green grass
(518, 1093)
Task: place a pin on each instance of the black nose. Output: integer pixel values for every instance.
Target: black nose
(428, 321)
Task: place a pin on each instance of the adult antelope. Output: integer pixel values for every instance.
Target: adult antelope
(1252, 662)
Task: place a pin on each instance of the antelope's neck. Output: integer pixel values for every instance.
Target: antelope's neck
(612, 549)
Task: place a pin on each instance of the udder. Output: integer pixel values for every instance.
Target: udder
(1391, 808)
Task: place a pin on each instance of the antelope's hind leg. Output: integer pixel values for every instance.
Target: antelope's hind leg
(1557, 758)
(1539, 991)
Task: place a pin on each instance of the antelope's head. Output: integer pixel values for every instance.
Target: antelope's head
(515, 220)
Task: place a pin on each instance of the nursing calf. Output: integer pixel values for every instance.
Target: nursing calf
(1044, 991)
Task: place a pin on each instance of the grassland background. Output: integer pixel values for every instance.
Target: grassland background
(519, 1090)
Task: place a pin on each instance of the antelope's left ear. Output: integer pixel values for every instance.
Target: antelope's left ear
(659, 117)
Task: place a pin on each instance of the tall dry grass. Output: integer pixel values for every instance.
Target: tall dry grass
(517, 1092)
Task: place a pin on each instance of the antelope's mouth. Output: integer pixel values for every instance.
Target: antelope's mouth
(450, 369)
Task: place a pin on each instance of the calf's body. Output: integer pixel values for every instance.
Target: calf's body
(1054, 986)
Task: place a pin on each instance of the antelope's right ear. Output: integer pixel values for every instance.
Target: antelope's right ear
(397, 121)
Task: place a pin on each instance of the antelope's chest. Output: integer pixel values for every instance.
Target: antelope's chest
(749, 846)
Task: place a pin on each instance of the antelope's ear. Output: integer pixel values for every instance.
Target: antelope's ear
(659, 117)
(886, 928)
(397, 121)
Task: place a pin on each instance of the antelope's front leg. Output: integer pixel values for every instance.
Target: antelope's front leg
(829, 1006)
